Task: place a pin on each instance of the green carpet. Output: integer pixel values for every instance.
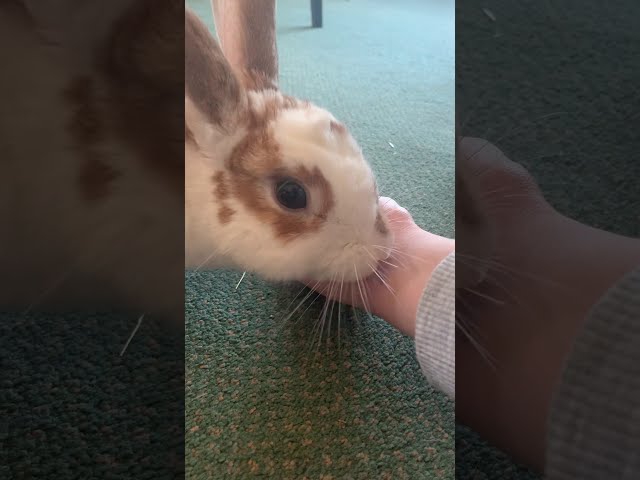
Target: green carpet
(73, 408)
(555, 85)
(258, 402)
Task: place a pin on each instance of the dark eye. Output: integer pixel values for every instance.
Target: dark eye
(291, 194)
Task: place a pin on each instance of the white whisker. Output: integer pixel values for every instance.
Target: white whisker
(132, 334)
(339, 308)
(240, 281)
(202, 264)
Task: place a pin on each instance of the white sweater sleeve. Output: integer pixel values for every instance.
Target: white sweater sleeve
(435, 328)
(594, 432)
(594, 428)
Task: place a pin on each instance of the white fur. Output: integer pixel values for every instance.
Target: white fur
(346, 246)
(212, 139)
(55, 247)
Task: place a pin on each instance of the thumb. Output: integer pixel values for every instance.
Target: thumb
(394, 212)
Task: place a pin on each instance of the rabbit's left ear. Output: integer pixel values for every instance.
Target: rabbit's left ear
(215, 103)
(247, 33)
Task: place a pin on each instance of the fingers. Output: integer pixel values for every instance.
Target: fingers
(394, 212)
(388, 204)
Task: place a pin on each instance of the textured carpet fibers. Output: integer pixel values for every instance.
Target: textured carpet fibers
(71, 407)
(260, 401)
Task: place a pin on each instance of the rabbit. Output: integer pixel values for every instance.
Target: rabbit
(274, 185)
(92, 183)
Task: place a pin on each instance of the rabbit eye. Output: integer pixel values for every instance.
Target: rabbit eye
(290, 194)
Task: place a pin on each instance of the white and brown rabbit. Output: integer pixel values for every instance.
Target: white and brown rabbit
(273, 185)
(91, 189)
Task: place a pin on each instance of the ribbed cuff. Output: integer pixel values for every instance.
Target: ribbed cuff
(594, 426)
(435, 328)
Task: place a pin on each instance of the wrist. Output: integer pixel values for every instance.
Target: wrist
(428, 251)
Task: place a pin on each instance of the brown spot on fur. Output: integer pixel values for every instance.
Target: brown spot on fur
(86, 128)
(95, 178)
(380, 225)
(254, 165)
(221, 190)
(85, 125)
(225, 213)
(143, 64)
(220, 194)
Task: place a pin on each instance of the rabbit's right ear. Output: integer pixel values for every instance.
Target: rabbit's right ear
(247, 33)
(214, 99)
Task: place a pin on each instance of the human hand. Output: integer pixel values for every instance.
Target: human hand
(516, 327)
(394, 291)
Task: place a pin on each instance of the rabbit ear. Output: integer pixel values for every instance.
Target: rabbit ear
(214, 99)
(247, 33)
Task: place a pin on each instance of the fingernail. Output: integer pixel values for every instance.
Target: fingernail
(387, 202)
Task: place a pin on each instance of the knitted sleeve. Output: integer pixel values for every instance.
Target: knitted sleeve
(594, 426)
(435, 328)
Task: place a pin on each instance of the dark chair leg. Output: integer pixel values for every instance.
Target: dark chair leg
(316, 13)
